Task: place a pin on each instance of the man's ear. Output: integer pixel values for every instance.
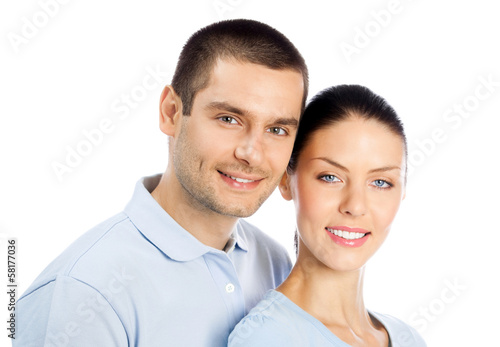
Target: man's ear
(170, 111)
(285, 187)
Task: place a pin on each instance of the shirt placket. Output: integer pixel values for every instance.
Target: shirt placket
(228, 285)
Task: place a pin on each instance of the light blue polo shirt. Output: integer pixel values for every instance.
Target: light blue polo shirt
(278, 321)
(140, 279)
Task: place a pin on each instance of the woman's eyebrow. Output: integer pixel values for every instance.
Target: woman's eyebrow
(385, 168)
(331, 162)
(334, 163)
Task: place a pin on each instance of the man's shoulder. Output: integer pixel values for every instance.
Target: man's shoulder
(99, 244)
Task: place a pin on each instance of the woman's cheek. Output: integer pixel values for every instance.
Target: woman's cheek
(385, 214)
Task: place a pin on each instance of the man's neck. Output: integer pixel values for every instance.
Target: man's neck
(209, 227)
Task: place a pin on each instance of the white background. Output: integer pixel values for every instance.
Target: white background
(65, 75)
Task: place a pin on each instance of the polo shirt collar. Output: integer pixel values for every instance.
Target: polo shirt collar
(236, 240)
(162, 230)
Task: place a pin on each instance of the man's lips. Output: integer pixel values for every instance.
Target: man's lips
(241, 178)
(240, 182)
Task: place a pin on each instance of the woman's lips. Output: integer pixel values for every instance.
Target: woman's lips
(348, 237)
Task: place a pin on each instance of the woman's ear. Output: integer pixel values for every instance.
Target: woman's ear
(170, 111)
(285, 187)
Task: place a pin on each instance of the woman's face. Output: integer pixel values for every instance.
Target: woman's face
(347, 188)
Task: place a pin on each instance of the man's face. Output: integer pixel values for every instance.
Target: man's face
(231, 152)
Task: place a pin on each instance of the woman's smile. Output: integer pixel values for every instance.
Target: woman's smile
(343, 237)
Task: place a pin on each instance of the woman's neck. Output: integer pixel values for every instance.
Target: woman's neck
(328, 295)
(335, 298)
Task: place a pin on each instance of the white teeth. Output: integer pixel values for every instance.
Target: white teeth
(237, 179)
(346, 234)
(241, 180)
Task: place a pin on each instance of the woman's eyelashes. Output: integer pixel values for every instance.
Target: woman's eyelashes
(329, 178)
(382, 184)
(378, 183)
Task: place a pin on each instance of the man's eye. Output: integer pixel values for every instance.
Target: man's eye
(277, 131)
(228, 120)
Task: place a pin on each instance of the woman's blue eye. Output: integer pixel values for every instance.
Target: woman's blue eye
(329, 178)
(381, 184)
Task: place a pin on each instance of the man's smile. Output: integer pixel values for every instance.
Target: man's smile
(240, 181)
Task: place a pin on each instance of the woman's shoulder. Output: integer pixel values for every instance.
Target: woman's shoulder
(265, 323)
(400, 333)
(277, 321)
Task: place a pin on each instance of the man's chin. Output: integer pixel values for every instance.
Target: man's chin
(236, 210)
(233, 206)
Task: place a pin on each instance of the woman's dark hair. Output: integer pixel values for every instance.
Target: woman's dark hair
(338, 103)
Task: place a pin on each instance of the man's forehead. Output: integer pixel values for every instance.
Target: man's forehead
(222, 64)
(237, 75)
(245, 88)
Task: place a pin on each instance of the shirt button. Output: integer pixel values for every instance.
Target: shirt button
(229, 288)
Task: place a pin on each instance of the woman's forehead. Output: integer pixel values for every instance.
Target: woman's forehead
(354, 139)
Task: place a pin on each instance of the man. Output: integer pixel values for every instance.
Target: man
(178, 267)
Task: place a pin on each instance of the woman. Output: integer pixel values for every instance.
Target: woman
(347, 177)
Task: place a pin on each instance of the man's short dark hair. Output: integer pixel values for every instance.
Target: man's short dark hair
(241, 39)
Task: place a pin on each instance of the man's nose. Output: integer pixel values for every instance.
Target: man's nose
(250, 149)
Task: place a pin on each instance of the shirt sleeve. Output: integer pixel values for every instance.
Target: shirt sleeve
(67, 312)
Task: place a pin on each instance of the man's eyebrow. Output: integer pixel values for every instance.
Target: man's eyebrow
(222, 105)
(291, 122)
(381, 169)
